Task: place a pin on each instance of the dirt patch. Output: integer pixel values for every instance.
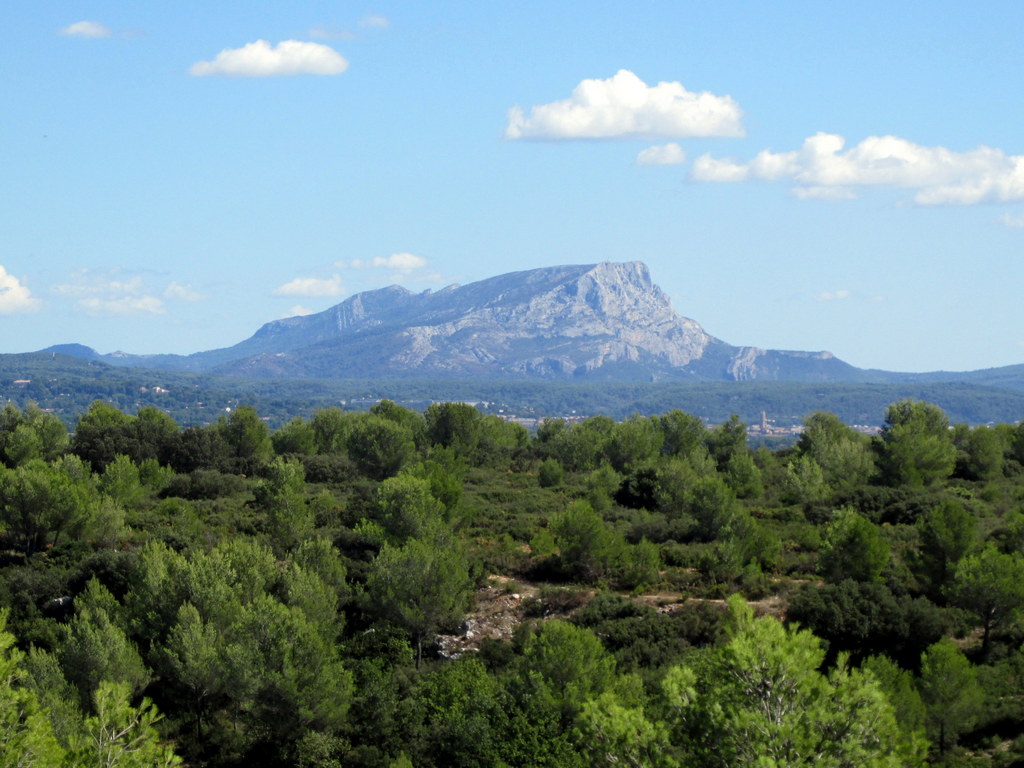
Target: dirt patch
(497, 610)
(502, 605)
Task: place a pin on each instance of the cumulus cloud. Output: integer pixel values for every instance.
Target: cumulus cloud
(86, 29)
(298, 311)
(822, 168)
(624, 106)
(14, 296)
(261, 59)
(100, 293)
(662, 154)
(179, 292)
(833, 295)
(312, 286)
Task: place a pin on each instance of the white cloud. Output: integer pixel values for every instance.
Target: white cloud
(623, 106)
(1011, 220)
(402, 263)
(123, 305)
(102, 293)
(298, 311)
(180, 292)
(662, 154)
(260, 59)
(15, 297)
(87, 283)
(821, 168)
(707, 168)
(312, 286)
(86, 29)
(833, 295)
(375, 21)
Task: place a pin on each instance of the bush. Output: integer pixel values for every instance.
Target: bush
(867, 619)
(327, 468)
(550, 474)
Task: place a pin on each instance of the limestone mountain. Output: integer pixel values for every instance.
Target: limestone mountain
(605, 321)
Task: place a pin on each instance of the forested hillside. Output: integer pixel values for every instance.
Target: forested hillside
(392, 587)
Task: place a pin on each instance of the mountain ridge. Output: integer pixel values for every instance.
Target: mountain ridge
(605, 321)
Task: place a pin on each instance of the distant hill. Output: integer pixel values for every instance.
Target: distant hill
(1009, 377)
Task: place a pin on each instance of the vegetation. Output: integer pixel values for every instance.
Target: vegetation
(66, 386)
(384, 586)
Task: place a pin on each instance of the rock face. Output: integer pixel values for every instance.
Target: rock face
(565, 321)
(599, 321)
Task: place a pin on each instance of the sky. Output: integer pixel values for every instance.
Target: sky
(843, 176)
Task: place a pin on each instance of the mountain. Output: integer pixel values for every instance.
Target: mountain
(605, 321)
(594, 322)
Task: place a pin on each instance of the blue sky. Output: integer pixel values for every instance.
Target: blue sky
(797, 175)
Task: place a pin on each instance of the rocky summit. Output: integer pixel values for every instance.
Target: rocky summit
(605, 321)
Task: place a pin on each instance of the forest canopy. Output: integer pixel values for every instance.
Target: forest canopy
(386, 586)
